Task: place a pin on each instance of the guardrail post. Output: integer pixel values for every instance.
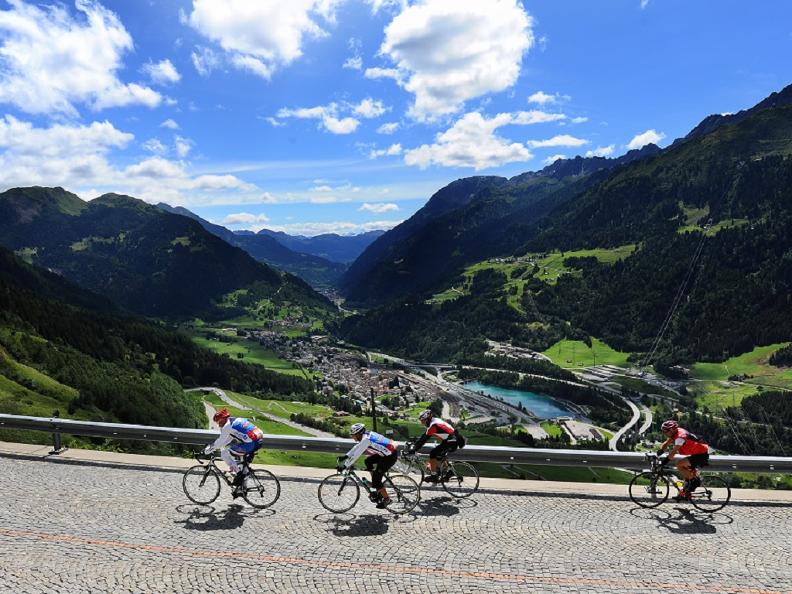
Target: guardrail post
(57, 446)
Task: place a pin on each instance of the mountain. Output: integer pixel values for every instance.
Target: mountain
(608, 253)
(147, 261)
(467, 221)
(65, 351)
(336, 248)
(316, 271)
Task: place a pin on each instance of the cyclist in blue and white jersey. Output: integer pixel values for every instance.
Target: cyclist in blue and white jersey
(238, 438)
(381, 456)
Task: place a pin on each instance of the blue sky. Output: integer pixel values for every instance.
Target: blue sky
(312, 116)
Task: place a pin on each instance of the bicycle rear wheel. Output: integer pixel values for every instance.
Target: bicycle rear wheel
(713, 494)
(404, 493)
(262, 488)
(648, 489)
(413, 466)
(460, 479)
(201, 484)
(338, 493)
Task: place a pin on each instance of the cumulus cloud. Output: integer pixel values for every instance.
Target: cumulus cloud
(327, 116)
(448, 52)
(579, 120)
(162, 73)
(564, 140)
(553, 159)
(183, 146)
(261, 36)
(52, 60)
(341, 227)
(369, 108)
(205, 60)
(392, 150)
(470, 142)
(240, 219)
(601, 151)
(388, 128)
(542, 98)
(154, 145)
(170, 124)
(536, 117)
(375, 73)
(379, 207)
(354, 63)
(649, 137)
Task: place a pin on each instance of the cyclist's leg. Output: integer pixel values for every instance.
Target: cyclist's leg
(228, 454)
(383, 465)
(452, 446)
(685, 469)
(436, 455)
(696, 462)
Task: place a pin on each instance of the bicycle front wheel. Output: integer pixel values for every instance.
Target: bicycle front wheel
(712, 495)
(460, 480)
(201, 484)
(404, 493)
(338, 493)
(262, 488)
(413, 466)
(648, 489)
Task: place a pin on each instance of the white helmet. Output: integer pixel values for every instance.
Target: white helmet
(357, 428)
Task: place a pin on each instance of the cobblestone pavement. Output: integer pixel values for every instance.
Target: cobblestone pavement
(71, 528)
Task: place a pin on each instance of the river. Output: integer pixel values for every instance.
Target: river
(542, 406)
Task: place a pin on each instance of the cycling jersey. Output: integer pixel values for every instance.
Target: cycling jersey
(237, 430)
(372, 444)
(688, 444)
(438, 429)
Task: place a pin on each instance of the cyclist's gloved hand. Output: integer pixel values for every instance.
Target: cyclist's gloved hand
(660, 453)
(409, 449)
(208, 449)
(340, 466)
(663, 459)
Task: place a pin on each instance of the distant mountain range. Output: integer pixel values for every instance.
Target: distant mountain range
(727, 185)
(140, 257)
(336, 248)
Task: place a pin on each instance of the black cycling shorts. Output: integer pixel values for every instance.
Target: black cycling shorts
(378, 466)
(698, 460)
(444, 448)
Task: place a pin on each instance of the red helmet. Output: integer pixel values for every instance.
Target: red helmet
(669, 425)
(221, 414)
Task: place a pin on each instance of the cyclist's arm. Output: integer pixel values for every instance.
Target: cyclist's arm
(420, 442)
(356, 452)
(678, 443)
(664, 445)
(222, 441)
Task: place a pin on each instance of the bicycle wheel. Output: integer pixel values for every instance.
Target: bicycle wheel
(648, 489)
(338, 493)
(413, 466)
(460, 479)
(201, 484)
(404, 493)
(713, 494)
(262, 488)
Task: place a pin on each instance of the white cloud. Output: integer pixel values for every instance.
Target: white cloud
(341, 228)
(369, 108)
(240, 219)
(564, 140)
(169, 123)
(154, 145)
(379, 207)
(328, 116)
(470, 142)
(261, 36)
(325, 200)
(324, 188)
(536, 117)
(553, 159)
(579, 120)
(644, 4)
(375, 73)
(450, 52)
(205, 60)
(162, 73)
(354, 63)
(392, 150)
(377, 5)
(388, 128)
(51, 60)
(275, 122)
(183, 146)
(601, 151)
(542, 98)
(649, 137)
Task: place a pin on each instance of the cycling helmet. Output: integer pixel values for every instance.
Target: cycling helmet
(670, 425)
(221, 414)
(426, 415)
(357, 428)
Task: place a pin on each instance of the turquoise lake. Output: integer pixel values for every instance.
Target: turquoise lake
(542, 406)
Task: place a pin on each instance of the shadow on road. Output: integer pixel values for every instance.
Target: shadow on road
(443, 506)
(206, 518)
(685, 520)
(354, 525)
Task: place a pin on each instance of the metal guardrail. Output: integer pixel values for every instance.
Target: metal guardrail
(496, 454)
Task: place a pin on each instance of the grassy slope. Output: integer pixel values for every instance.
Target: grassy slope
(561, 353)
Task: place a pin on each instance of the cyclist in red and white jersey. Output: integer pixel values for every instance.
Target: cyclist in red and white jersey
(689, 453)
(238, 437)
(450, 441)
(381, 456)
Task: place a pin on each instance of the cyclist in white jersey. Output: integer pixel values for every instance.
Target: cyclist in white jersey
(381, 456)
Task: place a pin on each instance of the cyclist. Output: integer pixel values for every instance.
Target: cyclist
(381, 457)
(450, 441)
(238, 437)
(688, 452)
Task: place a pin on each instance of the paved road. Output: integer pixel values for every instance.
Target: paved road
(635, 418)
(79, 528)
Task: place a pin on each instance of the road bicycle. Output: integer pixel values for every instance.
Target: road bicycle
(201, 483)
(459, 479)
(651, 488)
(340, 492)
